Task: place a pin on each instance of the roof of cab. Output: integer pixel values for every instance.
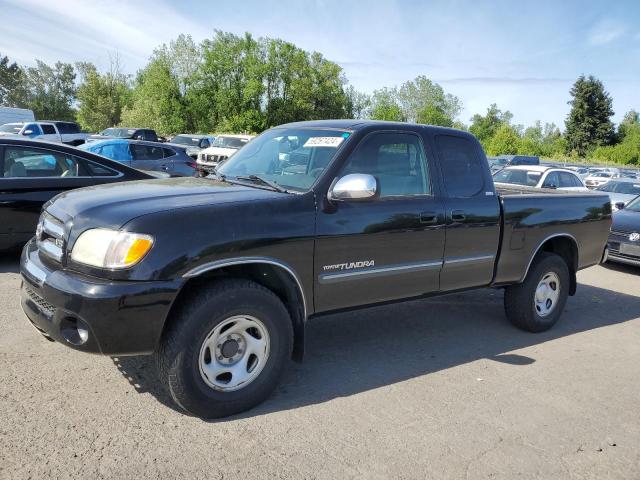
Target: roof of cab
(360, 124)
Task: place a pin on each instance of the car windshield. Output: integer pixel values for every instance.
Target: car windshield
(186, 140)
(601, 175)
(118, 132)
(291, 157)
(11, 128)
(517, 177)
(633, 205)
(627, 188)
(229, 142)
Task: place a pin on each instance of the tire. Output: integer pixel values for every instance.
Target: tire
(210, 313)
(531, 312)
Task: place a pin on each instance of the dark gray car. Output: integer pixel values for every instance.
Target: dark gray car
(151, 156)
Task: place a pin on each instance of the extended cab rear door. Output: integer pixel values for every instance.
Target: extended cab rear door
(385, 248)
(472, 212)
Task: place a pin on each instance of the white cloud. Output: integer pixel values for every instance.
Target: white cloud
(606, 32)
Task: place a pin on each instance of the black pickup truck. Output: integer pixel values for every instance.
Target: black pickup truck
(218, 276)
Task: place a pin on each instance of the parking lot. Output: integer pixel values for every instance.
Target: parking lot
(440, 388)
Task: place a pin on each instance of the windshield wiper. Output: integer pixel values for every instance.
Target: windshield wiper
(263, 181)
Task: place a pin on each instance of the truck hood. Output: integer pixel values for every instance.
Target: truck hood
(626, 221)
(113, 205)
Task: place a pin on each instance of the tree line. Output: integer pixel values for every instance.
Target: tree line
(237, 83)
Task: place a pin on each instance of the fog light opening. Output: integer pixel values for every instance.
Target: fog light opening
(74, 331)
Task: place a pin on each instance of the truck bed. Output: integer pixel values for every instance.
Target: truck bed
(531, 216)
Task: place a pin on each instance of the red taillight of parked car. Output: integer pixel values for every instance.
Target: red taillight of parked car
(193, 165)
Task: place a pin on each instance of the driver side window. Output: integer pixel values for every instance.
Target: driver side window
(396, 160)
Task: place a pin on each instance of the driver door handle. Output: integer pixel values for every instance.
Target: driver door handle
(430, 218)
(458, 216)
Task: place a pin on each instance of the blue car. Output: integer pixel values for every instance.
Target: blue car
(142, 155)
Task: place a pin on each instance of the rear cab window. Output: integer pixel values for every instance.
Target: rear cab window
(463, 171)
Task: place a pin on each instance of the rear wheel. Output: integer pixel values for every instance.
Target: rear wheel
(536, 304)
(225, 348)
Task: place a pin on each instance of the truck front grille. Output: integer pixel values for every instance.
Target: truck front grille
(50, 237)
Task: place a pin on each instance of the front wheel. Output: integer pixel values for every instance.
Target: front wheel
(225, 348)
(536, 304)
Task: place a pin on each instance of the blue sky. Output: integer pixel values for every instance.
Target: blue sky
(524, 56)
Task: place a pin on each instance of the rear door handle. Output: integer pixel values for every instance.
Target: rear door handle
(458, 216)
(430, 218)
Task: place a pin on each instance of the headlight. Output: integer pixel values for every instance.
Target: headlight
(104, 248)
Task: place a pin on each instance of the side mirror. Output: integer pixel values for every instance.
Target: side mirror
(353, 187)
(620, 205)
(27, 132)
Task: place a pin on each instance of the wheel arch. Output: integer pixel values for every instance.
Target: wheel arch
(564, 245)
(273, 274)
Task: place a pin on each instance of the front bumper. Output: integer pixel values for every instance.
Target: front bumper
(118, 317)
(621, 250)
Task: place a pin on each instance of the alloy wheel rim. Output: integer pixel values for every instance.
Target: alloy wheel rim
(547, 294)
(234, 353)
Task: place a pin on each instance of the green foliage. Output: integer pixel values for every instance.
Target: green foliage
(424, 101)
(484, 127)
(156, 101)
(505, 141)
(631, 120)
(626, 152)
(589, 122)
(12, 83)
(419, 100)
(51, 91)
(384, 106)
(101, 97)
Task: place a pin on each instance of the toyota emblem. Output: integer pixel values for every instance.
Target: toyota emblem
(634, 237)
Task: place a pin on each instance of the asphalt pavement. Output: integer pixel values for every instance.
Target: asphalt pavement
(440, 388)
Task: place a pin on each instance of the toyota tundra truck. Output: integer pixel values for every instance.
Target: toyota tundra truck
(217, 277)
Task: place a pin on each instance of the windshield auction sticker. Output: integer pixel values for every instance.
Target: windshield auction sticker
(323, 142)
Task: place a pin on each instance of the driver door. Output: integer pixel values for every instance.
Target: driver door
(385, 248)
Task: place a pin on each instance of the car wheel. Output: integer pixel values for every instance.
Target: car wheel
(225, 348)
(536, 304)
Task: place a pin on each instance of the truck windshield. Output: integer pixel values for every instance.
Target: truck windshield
(291, 157)
(229, 142)
(118, 132)
(517, 177)
(186, 140)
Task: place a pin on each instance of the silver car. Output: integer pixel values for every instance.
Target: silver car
(621, 190)
(148, 156)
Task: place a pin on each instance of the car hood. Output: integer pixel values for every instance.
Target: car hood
(620, 197)
(113, 205)
(626, 221)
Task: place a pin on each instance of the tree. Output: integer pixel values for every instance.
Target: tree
(156, 101)
(485, 127)
(12, 84)
(631, 118)
(384, 106)
(625, 152)
(358, 103)
(424, 101)
(50, 91)
(505, 141)
(101, 97)
(589, 122)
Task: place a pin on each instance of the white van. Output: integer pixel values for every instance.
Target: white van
(14, 115)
